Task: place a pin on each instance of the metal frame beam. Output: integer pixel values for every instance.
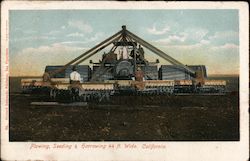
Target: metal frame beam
(125, 35)
(92, 50)
(104, 45)
(158, 52)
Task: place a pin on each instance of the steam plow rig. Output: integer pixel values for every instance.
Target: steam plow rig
(123, 71)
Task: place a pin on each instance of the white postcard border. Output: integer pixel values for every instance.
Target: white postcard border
(193, 151)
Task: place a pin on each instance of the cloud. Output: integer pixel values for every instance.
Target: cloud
(189, 36)
(172, 39)
(80, 25)
(71, 42)
(75, 34)
(33, 38)
(225, 34)
(197, 38)
(204, 42)
(188, 47)
(196, 34)
(32, 61)
(153, 30)
(96, 37)
(53, 32)
(86, 40)
(226, 47)
(203, 45)
(224, 37)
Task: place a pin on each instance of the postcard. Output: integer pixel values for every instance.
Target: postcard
(98, 81)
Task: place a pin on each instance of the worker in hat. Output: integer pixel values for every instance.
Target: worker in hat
(75, 77)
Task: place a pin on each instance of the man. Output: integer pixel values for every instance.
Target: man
(141, 51)
(75, 80)
(139, 75)
(139, 78)
(75, 77)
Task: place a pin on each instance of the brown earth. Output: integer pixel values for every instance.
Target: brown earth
(213, 118)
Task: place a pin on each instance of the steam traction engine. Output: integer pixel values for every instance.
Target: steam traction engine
(123, 70)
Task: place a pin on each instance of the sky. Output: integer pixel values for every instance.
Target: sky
(55, 37)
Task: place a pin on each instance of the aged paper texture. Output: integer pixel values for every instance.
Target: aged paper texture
(124, 81)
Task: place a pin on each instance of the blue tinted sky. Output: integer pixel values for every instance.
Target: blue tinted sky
(54, 37)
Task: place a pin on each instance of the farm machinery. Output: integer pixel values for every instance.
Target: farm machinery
(123, 70)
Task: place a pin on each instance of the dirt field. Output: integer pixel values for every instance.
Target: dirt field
(177, 118)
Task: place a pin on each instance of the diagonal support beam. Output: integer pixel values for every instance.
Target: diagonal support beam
(158, 52)
(104, 45)
(92, 50)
